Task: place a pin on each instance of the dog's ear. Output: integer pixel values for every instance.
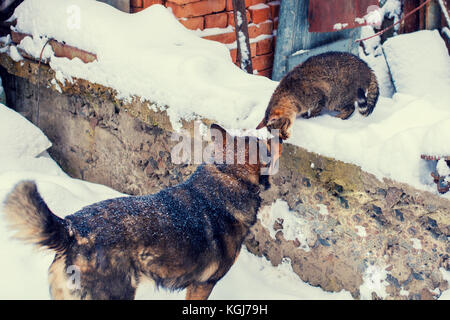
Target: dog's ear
(262, 124)
(219, 135)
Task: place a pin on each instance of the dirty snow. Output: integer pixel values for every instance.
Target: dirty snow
(196, 78)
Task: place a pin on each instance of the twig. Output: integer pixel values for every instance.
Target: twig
(39, 83)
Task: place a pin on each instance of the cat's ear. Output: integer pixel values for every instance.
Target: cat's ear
(262, 124)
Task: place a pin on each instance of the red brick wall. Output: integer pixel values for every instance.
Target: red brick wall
(206, 14)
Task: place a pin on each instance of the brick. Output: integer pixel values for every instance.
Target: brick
(183, 1)
(148, 3)
(231, 17)
(229, 6)
(259, 13)
(136, 3)
(218, 20)
(193, 23)
(262, 62)
(255, 30)
(264, 46)
(196, 9)
(274, 8)
(227, 38)
(275, 23)
(265, 73)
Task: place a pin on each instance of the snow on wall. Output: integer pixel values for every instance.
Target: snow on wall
(164, 63)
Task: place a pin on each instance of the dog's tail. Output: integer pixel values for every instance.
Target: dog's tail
(26, 212)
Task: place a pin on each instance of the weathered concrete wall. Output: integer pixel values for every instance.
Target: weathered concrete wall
(127, 146)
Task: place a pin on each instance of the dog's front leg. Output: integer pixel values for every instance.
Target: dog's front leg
(199, 291)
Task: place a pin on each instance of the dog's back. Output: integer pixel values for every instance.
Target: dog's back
(183, 234)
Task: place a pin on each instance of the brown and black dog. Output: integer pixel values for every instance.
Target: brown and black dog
(336, 81)
(186, 236)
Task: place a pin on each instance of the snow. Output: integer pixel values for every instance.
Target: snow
(446, 32)
(176, 68)
(444, 12)
(23, 271)
(28, 141)
(252, 40)
(393, 10)
(418, 69)
(212, 31)
(259, 6)
(301, 51)
(14, 54)
(417, 244)
(196, 78)
(361, 231)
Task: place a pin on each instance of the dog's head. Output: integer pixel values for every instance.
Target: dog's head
(248, 157)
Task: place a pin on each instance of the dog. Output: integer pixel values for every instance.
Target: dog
(185, 236)
(336, 81)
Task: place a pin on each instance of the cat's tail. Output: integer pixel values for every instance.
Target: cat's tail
(366, 100)
(26, 212)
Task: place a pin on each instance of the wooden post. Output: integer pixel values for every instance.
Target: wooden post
(244, 55)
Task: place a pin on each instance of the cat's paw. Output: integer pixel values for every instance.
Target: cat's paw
(283, 125)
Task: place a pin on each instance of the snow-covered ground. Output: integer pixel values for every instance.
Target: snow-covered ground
(172, 66)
